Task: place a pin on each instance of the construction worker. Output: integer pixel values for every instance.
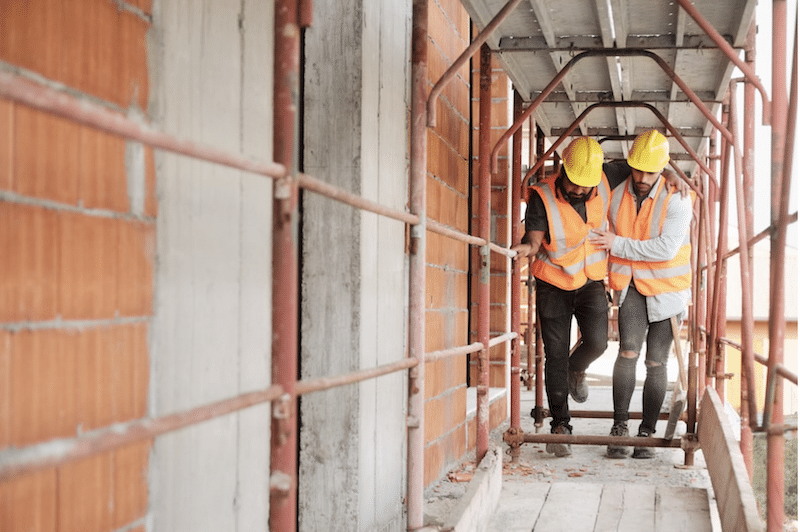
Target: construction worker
(569, 271)
(649, 264)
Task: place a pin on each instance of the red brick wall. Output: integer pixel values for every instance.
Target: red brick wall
(76, 293)
(448, 434)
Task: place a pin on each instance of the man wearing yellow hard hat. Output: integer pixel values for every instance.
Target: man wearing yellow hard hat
(562, 211)
(649, 264)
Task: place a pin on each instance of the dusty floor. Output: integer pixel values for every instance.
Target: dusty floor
(587, 462)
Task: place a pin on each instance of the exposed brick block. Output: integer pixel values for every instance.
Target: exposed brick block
(103, 182)
(88, 266)
(85, 494)
(130, 468)
(43, 386)
(31, 35)
(150, 201)
(99, 393)
(29, 262)
(46, 156)
(135, 259)
(29, 503)
(6, 144)
(5, 389)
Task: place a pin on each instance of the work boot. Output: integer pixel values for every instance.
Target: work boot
(620, 430)
(578, 387)
(560, 449)
(644, 452)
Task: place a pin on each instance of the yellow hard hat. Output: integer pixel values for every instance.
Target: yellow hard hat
(650, 152)
(583, 162)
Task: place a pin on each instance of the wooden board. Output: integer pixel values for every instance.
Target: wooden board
(734, 492)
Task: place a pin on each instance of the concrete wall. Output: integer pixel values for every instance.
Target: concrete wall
(354, 289)
(211, 67)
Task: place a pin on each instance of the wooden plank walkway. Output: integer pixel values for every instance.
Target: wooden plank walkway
(591, 507)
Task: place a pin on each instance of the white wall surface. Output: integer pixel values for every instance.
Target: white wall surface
(211, 82)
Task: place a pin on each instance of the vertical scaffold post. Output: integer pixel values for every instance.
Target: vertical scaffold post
(283, 444)
(484, 212)
(773, 409)
(416, 305)
(516, 280)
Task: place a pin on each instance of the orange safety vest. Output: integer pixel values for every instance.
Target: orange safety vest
(568, 261)
(650, 278)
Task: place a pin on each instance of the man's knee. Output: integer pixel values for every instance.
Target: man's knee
(629, 354)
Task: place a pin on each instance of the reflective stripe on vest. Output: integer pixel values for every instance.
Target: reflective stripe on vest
(650, 278)
(568, 260)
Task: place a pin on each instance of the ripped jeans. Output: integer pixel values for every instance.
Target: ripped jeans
(633, 326)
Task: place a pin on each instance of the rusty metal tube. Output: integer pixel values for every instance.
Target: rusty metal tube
(476, 43)
(728, 50)
(326, 383)
(416, 311)
(744, 262)
(516, 280)
(16, 462)
(617, 52)
(37, 96)
(484, 222)
(773, 409)
(453, 352)
(630, 441)
(675, 133)
(283, 442)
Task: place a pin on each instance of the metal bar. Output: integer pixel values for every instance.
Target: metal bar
(476, 43)
(675, 133)
(37, 96)
(530, 339)
(283, 441)
(748, 394)
(497, 340)
(720, 273)
(758, 238)
(597, 414)
(314, 184)
(484, 222)
(325, 383)
(16, 462)
(416, 310)
(617, 52)
(773, 408)
(453, 351)
(583, 439)
(455, 234)
(747, 324)
(516, 280)
(729, 51)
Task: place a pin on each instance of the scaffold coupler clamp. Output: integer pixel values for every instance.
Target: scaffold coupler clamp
(690, 442)
(514, 437)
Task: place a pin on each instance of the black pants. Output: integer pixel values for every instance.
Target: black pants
(556, 308)
(633, 326)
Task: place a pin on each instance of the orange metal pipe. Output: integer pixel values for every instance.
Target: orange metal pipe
(728, 50)
(484, 277)
(16, 462)
(616, 52)
(37, 96)
(773, 408)
(516, 279)
(283, 442)
(744, 263)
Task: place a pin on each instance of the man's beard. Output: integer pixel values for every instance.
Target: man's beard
(574, 198)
